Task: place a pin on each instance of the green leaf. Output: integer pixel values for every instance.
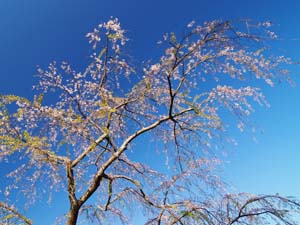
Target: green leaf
(111, 36)
(101, 53)
(9, 216)
(38, 99)
(26, 135)
(259, 51)
(173, 38)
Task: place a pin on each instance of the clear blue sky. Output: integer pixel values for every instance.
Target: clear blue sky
(35, 32)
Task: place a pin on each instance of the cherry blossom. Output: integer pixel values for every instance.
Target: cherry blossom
(82, 129)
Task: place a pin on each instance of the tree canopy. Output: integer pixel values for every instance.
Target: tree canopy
(82, 131)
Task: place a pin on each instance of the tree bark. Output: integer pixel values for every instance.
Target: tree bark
(73, 215)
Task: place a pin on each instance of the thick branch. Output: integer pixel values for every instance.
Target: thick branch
(71, 184)
(88, 150)
(95, 184)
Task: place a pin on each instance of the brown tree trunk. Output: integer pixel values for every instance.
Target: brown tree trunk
(73, 215)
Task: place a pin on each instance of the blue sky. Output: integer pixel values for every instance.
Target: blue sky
(35, 32)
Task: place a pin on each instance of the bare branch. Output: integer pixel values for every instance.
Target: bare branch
(15, 213)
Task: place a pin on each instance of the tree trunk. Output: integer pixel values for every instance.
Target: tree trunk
(73, 215)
